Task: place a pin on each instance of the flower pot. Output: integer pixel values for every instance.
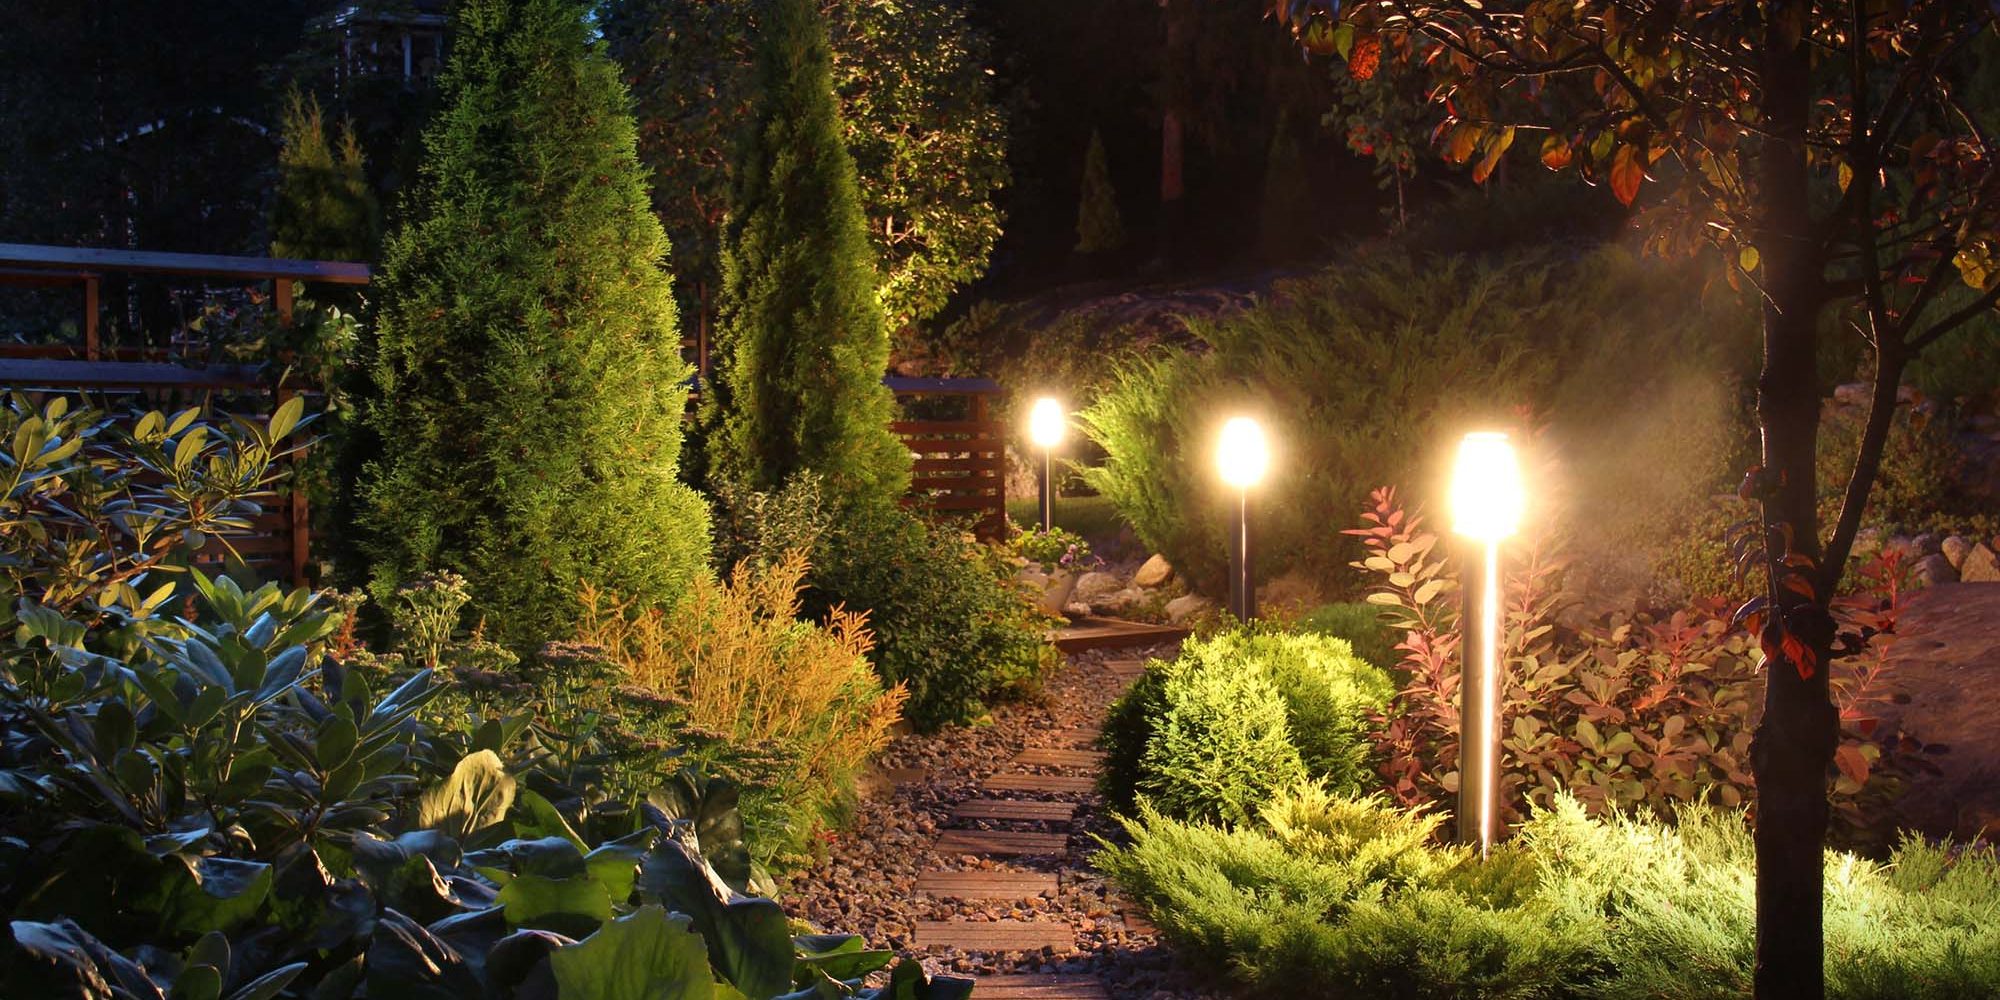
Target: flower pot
(1055, 588)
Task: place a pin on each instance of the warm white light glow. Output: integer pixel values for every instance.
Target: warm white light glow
(1242, 455)
(1045, 423)
(1486, 493)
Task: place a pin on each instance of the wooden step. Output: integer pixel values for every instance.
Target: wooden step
(1036, 987)
(1082, 738)
(904, 775)
(989, 885)
(1102, 633)
(1048, 757)
(1125, 668)
(995, 935)
(1047, 812)
(1021, 781)
(1002, 842)
(1137, 923)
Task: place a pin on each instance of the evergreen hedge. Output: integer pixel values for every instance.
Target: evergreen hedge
(529, 387)
(802, 341)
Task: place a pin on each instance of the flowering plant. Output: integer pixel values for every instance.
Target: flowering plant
(1055, 550)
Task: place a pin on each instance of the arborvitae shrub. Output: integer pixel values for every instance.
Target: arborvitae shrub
(1286, 223)
(1238, 716)
(528, 381)
(325, 209)
(1099, 229)
(802, 343)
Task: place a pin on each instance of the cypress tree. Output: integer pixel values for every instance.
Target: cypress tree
(325, 209)
(1099, 228)
(528, 371)
(802, 340)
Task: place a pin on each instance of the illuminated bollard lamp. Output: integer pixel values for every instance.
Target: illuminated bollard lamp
(1486, 502)
(1046, 425)
(1242, 458)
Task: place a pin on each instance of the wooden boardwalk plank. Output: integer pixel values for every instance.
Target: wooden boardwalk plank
(1047, 757)
(1125, 668)
(1018, 781)
(1036, 987)
(1082, 737)
(1049, 812)
(904, 775)
(1002, 842)
(995, 935)
(1103, 633)
(989, 885)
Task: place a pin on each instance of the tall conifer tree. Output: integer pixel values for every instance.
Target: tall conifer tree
(802, 340)
(529, 379)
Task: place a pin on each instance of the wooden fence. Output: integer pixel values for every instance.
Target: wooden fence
(960, 464)
(279, 543)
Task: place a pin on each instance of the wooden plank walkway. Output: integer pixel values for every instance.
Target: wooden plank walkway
(1015, 809)
(1002, 842)
(997, 935)
(1021, 781)
(1035, 987)
(989, 885)
(1112, 633)
(1049, 757)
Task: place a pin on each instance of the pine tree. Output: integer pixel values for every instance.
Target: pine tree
(802, 341)
(325, 209)
(1098, 226)
(529, 385)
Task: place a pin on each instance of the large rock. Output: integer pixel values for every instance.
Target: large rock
(1934, 569)
(1867, 542)
(1095, 584)
(1155, 572)
(1955, 548)
(1186, 606)
(1980, 566)
(1121, 602)
(1294, 591)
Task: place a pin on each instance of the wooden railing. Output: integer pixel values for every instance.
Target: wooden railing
(960, 466)
(279, 543)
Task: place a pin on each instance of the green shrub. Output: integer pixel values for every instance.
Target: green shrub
(1332, 897)
(802, 341)
(949, 620)
(1358, 622)
(325, 208)
(1236, 717)
(1373, 367)
(1098, 226)
(529, 392)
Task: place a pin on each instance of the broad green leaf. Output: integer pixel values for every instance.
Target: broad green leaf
(648, 954)
(476, 796)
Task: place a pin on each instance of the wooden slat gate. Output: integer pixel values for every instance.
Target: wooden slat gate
(961, 461)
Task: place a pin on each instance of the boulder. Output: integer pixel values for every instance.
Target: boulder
(1980, 566)
(1927, 544)
(1186, 606)
(1119, 602)
(1955, 548)
(1155, 572)
(1935, 569)
(1851, 393)
(1076, 609)
(1867, 542)
(1292, 590)
(1095, 584)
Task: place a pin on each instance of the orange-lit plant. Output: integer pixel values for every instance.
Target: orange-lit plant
(1631, 710)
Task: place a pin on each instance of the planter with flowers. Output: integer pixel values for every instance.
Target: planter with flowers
(1050, 562)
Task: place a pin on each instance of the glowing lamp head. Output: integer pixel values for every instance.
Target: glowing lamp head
(1242, 456)
(1486, 492)
(1045, 423)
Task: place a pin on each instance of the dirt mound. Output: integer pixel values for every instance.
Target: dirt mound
(1948, 665)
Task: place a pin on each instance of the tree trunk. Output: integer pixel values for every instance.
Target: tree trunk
(1795, 738)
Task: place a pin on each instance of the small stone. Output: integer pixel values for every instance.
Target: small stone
(1186, 606)
(1154, 572)
(1934, 569)
(1095, 584)
(1981, 566)
(1955, 548)
(1076, 609)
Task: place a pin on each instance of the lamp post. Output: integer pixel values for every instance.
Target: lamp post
(1242, 457)
(1045, 429)
(1486, 502)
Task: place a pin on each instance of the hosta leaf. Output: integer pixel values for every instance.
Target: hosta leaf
(646, 954)
(476, 796)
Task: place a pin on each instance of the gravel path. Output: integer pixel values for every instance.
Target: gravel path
(1096, 944)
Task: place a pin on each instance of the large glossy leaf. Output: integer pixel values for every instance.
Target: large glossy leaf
(407, 962)
(573, 906)
(476, 796)
(60, 959)
(648, 954)
(749, 939)
(198, 895)
(839, 956)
